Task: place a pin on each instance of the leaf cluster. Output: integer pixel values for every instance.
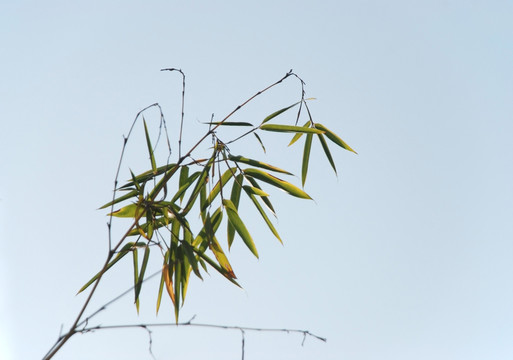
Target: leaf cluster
(161, 201)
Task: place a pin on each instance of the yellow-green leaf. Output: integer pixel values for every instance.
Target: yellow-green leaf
(334, 137)
(327, 152)
(306, 158)
(150, 148)
(263, 214)
(235, 198)
(290, 128)
(273, 180)
(276, 113)
(257, 163)
(298, 135)
(233, 217)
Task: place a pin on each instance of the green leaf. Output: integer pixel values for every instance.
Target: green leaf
(219, 269)
(178, 282)
(235, 198)
(290, 128)
(239, 226)
(218, 186)
(124, 250)
(266, 200)
(150, 148)
(273, 180)
(254, 191)
(216, 248)
(327, 152)
(161, 286)
(140, 278)
(131, 194)
(189, 253)
(260, 141)
(229, 123)
(298, 135)
(184, 176)
(129, 211)
(263, 214)
(306, 158)
(184, 186)
(334, 137)
(148, 175)
(276, 113)
(201, 183)
(136, 276)
(241, 159)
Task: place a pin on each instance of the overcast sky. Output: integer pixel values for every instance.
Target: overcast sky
(406, 254)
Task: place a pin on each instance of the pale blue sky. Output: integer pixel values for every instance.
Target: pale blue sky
(406, 255)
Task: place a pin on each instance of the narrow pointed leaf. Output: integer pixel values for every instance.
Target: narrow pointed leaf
(265, 199)
(264, 215)
(219, 269)
(178, 284)
(200, 184)
(306, 158)
(229, 123)
(262, 165)
(168, 281)
(276, 113)
(161, 286)
(131, 194)
(255, 191)
(273, 180)
(184, 176)
(217, 188)
(260, 141)
(130, 211)
(136, 276)
(140, 278)
(150, 148)
(239, 226)
(334, 137)
(290, 128)
(235, 198)
(183, 187)
(148, 175)
(327, 152)
(298, 135)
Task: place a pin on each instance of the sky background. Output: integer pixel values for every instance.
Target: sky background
(407, 254)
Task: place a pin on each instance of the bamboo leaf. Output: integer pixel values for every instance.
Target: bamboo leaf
(127, 196)
(239, 226)
(178, 283)
(161, 286)
(229, 123)
(235, 198)
(298, 135)
(219, 269)
(184, 176)
(217, 188)
(221, 257)
(124, 250)
(273, 180)
(136, 276)
(260, 141)
(150, 148)
(290, 128)
(189, 253)
(241, 159)
(306, 158)
(276, 113)
(202, 181)
(183, 187)
(168, 280)
(129, 211)
(265, 199)
(148, 175)
(327, 152)
(140, 279)
(251, 190)
(334, 137)
(264, 215)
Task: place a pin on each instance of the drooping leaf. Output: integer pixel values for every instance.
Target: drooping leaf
(201, 183)
(221, 257)
(260, 141)
(235, 198)
(273, 180)
(162, 275)
(241, 159)
(150, 148)
(334, 137)
(168, 280)
(306, 158)
(266, 200)
(184, 186)
(219, 269)
(263, 214)
(233, 217)
(189, 253)
(327, 152)
(255, 191)
(290, 128)
(299, 134)
(140, 278)
(276, 113)
(178, 282)
(136, 276)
